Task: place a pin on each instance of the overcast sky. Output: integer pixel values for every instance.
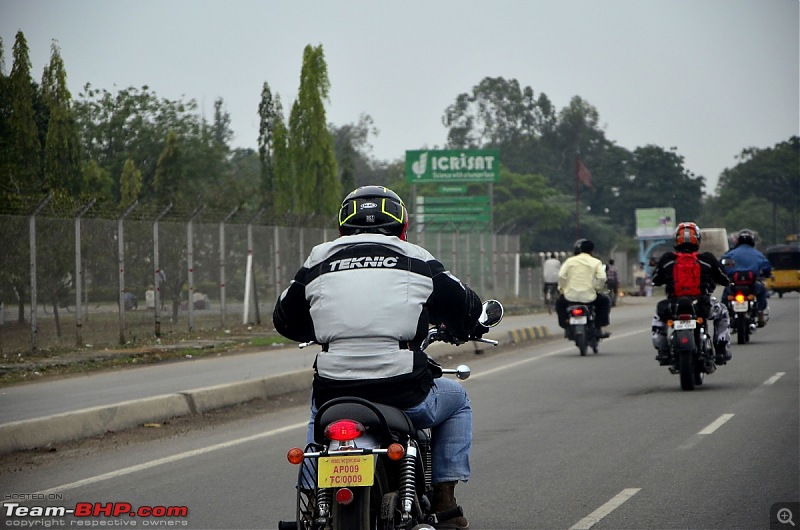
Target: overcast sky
(709, 77)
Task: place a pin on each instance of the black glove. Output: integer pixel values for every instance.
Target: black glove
(478, 330)
(435, 368)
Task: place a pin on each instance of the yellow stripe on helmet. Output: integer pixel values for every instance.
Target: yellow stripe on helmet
(402, 210)
(343, 221)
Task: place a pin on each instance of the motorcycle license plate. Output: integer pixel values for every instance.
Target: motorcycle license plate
(684, 324)
(739, 307)
(577, 320)
(341, 471)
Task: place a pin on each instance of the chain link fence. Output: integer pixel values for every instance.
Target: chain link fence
(107, 282)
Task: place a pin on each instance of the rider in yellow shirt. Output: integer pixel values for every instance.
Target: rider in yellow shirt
(580, 279)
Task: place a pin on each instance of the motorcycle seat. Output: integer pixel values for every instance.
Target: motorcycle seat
(389, 421)
(743, 278)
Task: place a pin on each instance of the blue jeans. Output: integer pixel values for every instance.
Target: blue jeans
(447, 412)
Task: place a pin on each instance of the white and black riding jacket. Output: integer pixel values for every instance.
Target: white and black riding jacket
(369, 300)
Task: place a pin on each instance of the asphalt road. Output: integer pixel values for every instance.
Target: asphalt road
(560, 441)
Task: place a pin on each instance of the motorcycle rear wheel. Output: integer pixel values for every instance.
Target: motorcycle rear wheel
(580, 341)
(742, 330)
(699, 376)
(686, 365)
(364, 513)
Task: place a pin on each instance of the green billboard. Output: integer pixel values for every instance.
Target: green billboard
(453, 165)
(655, 223)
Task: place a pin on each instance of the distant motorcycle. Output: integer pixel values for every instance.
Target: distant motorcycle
(580, 328)
(690, 346)
(742, 305)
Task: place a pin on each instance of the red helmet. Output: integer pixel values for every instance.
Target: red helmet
(373, 209)
(687, 236)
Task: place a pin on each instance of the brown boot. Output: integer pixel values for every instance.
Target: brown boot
(444, 499)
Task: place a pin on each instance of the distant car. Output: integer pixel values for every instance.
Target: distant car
(130, 301)
(200, 300)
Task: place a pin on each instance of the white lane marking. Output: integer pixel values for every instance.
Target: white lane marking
(173, 458)
(594, 517)
(774, 378)
(543, 355)
(716, 424)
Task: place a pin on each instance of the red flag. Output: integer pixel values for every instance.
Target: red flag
(582, 174)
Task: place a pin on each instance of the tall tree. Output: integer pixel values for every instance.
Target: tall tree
(6, 137)
(169, 173)
(310, 142)
(285, 184)
(351, 146)
(768, 177)
(657, 178)
(130, 183)
(25, 175)
(133, 123)
(266, 142)
(62, 166)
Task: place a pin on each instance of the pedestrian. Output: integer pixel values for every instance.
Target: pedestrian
(612, 282)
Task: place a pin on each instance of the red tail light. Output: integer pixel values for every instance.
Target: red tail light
(740, 297)
(344, 496)
(344, 430)
(578, 311)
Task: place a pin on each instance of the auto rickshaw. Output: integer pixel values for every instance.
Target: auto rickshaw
(785, 261)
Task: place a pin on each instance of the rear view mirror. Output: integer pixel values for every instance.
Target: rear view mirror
(492, 313)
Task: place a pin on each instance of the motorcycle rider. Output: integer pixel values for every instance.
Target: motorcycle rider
(687, 240)
(550, 270)
(580, 280)
(369, 298)
(744, 257)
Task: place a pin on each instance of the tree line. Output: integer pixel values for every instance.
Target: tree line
(131, 146)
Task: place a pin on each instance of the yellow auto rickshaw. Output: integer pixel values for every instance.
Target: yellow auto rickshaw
(785, 261)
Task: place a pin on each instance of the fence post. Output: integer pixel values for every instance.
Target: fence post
(190, 263)
(222, 308)
(276, 258)
(158, 276)
(79, 275)
(32, 242)
(121, 260)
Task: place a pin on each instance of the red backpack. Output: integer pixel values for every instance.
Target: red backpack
(686, 274)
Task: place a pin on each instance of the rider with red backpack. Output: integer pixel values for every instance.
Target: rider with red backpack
(689, 273)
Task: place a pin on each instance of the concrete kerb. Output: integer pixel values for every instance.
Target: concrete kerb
(40, 432)
(530, 333)
(29, 434)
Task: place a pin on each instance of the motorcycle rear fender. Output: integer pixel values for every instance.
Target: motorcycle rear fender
(585, 308)
(683, 340)
(578, 329)
(386, 424)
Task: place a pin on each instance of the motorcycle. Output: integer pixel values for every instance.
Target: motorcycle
(690, 345)
(581, 327)
(742, 305)
(369, 467)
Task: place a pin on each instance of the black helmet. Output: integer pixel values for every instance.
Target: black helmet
(583, 245)
(746, 237)
(373, 209)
